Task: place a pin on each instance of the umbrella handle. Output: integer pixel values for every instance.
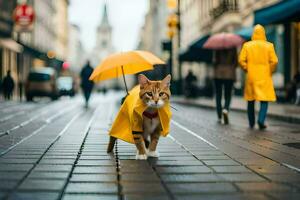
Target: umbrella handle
(124, 80)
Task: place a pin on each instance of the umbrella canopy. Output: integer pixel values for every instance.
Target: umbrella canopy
(223, 41)
(119, 64)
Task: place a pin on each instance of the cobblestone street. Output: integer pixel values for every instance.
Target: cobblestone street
(57, 150)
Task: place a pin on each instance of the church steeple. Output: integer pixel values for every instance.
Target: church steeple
(104, 31)
(104, 21)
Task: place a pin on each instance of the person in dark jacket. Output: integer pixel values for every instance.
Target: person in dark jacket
(86, 84)
(8, 86)
(190, 84)
(225, 63)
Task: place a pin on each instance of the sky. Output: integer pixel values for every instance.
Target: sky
(125, 16)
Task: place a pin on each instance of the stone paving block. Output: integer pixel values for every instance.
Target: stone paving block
(53, 168)
(231, 169)
(95, 170)
(90, 197)
(17, 156)
(42, 185)
(96, 163)
(284, 177)
(178, 158)
(141, 177)
(178, 163)
(271, 169)
(60, 157)
(183, 170)
(260, 162)
(93, 153)
(11, 175)
(57, 161)
(135, 166)
(94, 178)
(242, 177)
(62, 154)
(142, 187)
(8, 184)
(285, 196)
(212, 157)
(208, 153)
(172, 154)
(189, 188)
(35, 196)
(250, 187)
(17, 161)
(222, 197)
(127, 157)
(99, 188)
(15, 167)
(220, 162)
(190, 178)
(145, 197)
(48, 175)
(101, 157)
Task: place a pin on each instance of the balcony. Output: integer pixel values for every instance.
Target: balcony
(223, 7)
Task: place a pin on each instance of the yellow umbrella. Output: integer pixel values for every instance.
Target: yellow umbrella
(130, 62)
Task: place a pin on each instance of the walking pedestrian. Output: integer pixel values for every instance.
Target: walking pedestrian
(225, 62)
(86, 84)
(258, 59)
(190, 84)
(8, 86)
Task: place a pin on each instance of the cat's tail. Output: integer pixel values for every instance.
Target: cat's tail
(111, 144)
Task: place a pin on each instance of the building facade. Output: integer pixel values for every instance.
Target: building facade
(21, 51)
(201, 18)
(60, 22)
(76, 54)
(9, 48)
(154, 33)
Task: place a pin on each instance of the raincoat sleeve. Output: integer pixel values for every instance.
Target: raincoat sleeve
(243, 58)
(273, 60)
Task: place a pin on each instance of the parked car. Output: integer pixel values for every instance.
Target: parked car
(65, 85)
(41, 82)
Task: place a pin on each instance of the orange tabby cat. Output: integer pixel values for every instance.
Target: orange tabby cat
(155, 94)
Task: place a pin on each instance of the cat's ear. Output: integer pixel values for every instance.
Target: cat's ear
(166, 81)
(143, 80)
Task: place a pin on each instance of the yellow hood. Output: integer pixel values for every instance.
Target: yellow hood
(259, 33)
(130, 117)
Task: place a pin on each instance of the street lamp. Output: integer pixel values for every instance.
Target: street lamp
(173, 22)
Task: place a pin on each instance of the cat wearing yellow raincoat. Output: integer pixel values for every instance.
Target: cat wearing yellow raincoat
(145, 113)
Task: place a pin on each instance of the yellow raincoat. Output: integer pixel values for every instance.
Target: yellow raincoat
(258, 59)
(130, 117)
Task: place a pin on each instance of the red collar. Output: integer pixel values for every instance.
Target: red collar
(150, 115)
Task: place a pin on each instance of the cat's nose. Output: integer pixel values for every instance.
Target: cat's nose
(156, 101)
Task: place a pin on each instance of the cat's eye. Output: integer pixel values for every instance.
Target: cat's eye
(161, 94)
(149, 94)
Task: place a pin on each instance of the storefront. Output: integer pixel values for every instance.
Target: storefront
(282, 21)
(9, 48)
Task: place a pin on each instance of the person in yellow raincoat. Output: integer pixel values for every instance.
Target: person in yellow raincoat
(258, 59)
(130, 117)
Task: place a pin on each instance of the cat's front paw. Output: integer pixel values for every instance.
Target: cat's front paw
(141, 157)
(153, 154)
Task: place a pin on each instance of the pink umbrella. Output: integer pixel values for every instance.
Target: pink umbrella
(223, 41)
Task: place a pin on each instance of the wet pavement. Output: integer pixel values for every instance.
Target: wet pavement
(57, 150)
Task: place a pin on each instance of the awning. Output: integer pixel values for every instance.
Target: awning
(284, 11)
(195, 52)
(34, 52)
(198, 44)
(11, 45)
(245, 32)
